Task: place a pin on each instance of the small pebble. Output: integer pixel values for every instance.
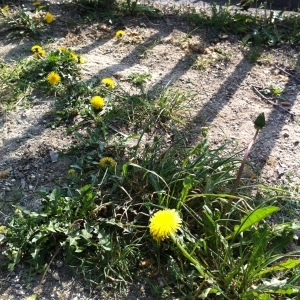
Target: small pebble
(59, 263)
(280, 171)
(56, 276)
(23, 183)
(53, 156)
(20, 292)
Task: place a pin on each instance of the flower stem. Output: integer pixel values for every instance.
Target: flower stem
(196, 264)
(239, 175)
(135, 226)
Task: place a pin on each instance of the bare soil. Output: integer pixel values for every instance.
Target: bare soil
(223, 95)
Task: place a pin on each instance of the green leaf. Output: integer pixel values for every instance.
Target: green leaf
(55, 195)
(264, 297)
(276, 286)
(250, 295)
(85, 234)
(73, 239)
(210, 225)
(85, 189)
(35, 253)
(36, 237)
(208, 291)
(254, 217)
(187, 185)
(260, 121)
(32, 297)
(285, 265)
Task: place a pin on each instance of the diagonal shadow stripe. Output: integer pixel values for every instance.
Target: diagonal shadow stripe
(181, 67)
(133, 58)
(275, 122)
(220, 99)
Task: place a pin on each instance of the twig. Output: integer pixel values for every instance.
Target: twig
(271, 102)
(150, 21)
(117, 131)
(287, 73)
(20, 100)
(47, 268)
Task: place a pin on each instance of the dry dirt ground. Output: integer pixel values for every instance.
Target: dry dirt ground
(222, 95)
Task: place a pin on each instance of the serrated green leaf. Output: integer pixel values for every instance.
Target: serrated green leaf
(36, 237)
(73, 240)
(85, 234)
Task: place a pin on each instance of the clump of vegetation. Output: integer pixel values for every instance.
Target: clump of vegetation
(49, 71)
(219, 243)
(264, 29)
(27, 21)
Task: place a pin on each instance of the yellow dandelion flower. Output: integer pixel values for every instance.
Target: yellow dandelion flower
(97, 102)
(5, 8)
(164, 223)
(108, 82)
(107, 162)
(36, 48)
(49, 18)
(53, 78)
(3, 229)
(14, 252)
(74, 56)
(37, 3)
(120, 33)
(39, 53)
(81, 60)
(62, 49)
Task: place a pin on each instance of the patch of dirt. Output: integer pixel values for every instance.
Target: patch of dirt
(224, 91)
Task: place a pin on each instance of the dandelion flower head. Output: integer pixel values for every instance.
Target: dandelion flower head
(81, 60)
(74, 56)
(164, 223)
(62, 49)
(39, 53)
(5, 8)
(107, 162)
(3, 229)
(49, 18)
(97, 102)
(53, 78)
(120, 33)
(108, 82)
(36, 48)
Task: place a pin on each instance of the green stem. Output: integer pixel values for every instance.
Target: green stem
(196, 264)
(135, 226)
